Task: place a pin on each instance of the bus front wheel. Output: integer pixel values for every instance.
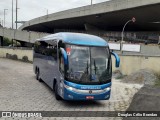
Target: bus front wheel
(56, 93)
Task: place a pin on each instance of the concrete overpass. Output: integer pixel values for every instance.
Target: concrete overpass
(107, 16)
(21, 36)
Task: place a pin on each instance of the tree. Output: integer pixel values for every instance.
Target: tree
(6, 41)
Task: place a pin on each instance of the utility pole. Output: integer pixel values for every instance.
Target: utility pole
(47, 12)
(122, 34)
(4, 16)
(91, 2)
(12, 14)
(2, 23)
(16, 12)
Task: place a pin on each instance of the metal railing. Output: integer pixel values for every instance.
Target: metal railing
(141, 37)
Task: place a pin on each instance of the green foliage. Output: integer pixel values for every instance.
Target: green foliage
(158, 79)
(6, 41)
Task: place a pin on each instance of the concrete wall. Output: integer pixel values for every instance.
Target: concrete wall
(129, 64)
(19, 52)
(146, 50)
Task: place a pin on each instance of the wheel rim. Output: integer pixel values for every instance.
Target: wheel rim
(37, 75)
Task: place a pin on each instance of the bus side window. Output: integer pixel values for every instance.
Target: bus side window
(52, 49)
(54, 52)
(61, 64)
(43, 48)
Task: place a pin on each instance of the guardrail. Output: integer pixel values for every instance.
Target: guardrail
(18, 48)
(135, 37)
(25, 36)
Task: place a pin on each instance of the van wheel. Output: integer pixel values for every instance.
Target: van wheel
(38, 75)
(56, 92)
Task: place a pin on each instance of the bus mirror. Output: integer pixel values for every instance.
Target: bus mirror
(64, 56)
(117, 59)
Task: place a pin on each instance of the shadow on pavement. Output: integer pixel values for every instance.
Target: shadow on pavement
(146, 100)
(83, 103)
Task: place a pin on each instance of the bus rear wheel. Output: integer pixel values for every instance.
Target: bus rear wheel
(56, 92)
(38, 75)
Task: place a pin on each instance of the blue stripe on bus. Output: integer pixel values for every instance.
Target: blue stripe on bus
(70, 95)
(87, 87)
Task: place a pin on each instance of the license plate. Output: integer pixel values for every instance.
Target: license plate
(89, 97)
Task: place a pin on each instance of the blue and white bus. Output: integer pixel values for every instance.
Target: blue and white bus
(76, 66)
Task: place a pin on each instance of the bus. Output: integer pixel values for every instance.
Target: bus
(76, 66)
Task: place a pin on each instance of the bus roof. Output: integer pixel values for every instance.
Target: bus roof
(76, 38)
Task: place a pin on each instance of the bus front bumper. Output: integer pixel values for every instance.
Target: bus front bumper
(72, 95)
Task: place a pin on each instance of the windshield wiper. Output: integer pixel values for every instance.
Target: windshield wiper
(95, 68)
(84, 76)
(87, 67)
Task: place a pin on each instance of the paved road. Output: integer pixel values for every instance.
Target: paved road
(20, 91)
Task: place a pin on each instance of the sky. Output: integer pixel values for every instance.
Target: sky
(30, 9)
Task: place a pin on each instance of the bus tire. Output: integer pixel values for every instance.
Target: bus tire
(38, 75)
(56, 93)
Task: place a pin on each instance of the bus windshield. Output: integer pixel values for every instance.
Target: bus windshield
(88, 65)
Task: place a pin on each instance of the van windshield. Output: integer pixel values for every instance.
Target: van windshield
(88, 65)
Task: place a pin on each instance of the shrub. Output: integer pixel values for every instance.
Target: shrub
(157, 83)
(14, 57)
(25, 59)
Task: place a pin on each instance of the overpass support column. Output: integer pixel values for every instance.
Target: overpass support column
(12, 42)
(23, 44)
(1, 40)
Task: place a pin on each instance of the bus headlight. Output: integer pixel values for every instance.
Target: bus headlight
(69, 88)
(107, 89)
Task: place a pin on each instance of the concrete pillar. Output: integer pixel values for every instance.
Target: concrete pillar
(22, 44)
(16, 43)
(12, 42)
(1, 40)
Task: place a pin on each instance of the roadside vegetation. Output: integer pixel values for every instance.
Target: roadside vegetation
(157, 82)
(8, 42)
